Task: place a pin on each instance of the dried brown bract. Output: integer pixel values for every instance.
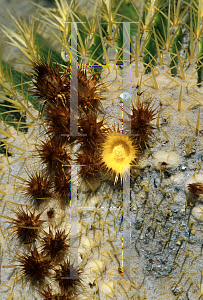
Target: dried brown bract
(35, 267)
(26, 225)
(38, 187)
(196, 188)
(67, 285)
(140, 122)
(55, 243)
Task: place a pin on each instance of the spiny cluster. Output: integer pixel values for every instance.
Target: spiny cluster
(53, 153)
(141, 117)
(68, 287)
(54, 150)
(49, 85)
(26, 225)
(37, 264)
(89, 151)
(38, 187)
(54, 243)
(88, 89)
(34, 267)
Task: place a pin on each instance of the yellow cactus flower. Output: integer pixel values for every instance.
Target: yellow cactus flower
(118, 151)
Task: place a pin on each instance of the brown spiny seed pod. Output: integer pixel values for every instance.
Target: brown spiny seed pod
(54, 244)
(62, 184)
(38, 187)
(58, 121)
(91, 165)
(49, 84)
(140, 123)
(35, 268)
(94, 130)
(54, 154)
(67, 285)
(196, 188)
(26, 225)
(88, 89)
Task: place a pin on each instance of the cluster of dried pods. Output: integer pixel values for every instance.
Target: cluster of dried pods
(47, 261)
(52, 89)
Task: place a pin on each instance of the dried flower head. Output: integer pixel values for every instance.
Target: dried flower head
(54, 243)
(91, 165)
(196, 188)
(62, 184)
(26, 225)
(88, 89)
(49, 84)
(34, 266)
(53, 153)
(118, 151)
(58, 121)
(94, 130)
(140, 122)
(38, 187)
(67, 285)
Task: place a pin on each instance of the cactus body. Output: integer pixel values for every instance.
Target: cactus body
(166, 98)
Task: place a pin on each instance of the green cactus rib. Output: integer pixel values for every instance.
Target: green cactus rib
(200, 62)
(175, 49)
(46, 50)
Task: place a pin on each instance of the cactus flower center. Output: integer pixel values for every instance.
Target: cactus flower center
(119, 152)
